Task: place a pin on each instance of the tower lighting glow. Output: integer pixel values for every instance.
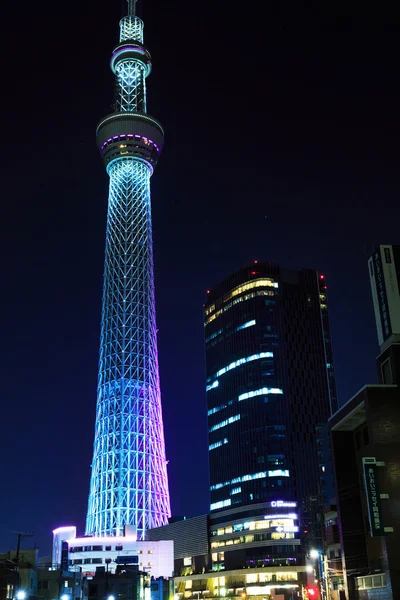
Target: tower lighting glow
(129, 483)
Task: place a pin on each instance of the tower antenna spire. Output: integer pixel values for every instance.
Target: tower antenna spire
(131, 8)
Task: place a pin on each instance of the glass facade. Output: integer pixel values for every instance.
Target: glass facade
(264, 535)
(270, 382)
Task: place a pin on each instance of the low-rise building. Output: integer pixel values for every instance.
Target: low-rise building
(60, 584)
(127, 582)
(87, 553)
(332, 559)
(38, 580)
(363, 439)
(365, 435)
(9, 578)
(18, 572)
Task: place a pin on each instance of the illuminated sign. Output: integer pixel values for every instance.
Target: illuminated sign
(292, 529)
(279, 516)
(281, 503)
(385, 292)
(373, 497)
(381, 289)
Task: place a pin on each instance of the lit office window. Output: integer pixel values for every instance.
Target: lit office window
(238, 363)
(246, 325)
(220, 504)
(217, 444)
(213, 385)
(225, 423)
(261, 392)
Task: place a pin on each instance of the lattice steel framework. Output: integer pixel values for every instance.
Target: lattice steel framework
(129, 483)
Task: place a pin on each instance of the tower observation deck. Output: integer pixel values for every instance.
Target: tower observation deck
(129, 484)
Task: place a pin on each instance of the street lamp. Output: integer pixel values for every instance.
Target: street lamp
(65, 597)
(310, 569)
(319, 580)
(21, 595)
(111, 597)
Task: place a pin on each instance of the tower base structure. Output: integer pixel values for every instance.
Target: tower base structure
(85, 554)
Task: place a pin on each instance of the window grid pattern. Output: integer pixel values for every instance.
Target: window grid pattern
(280, 398)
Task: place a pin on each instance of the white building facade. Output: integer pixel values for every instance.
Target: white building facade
(87, 553)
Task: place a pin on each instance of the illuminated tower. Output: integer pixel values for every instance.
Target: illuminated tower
(129, 483)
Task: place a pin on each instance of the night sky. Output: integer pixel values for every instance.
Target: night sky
(282, 144)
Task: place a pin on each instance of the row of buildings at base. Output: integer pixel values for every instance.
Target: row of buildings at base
(304, 496)
(37, 579)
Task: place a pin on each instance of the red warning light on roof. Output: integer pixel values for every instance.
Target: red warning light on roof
(321, 277)
(208, 291)
(254, 272)
(255, 262)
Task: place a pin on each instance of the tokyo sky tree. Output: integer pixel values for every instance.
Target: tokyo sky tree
(129, 484)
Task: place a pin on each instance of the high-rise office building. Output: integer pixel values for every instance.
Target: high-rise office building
(270, 382)
(128, 486)
(384, 272)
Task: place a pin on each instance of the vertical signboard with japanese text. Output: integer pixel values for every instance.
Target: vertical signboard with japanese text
(372, 496)
(391, 287)
(385, 292)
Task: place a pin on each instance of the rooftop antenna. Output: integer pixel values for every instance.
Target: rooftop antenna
(132, 8)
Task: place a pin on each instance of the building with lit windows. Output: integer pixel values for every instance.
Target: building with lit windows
(32, 578)
(18, 573)
(270, 382)
(60, 584)
(86, 554)
(129, 582)
(237, 553)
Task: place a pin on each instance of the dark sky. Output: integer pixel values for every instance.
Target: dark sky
(282, 143)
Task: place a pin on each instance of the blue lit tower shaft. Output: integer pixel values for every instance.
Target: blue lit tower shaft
(129, 483)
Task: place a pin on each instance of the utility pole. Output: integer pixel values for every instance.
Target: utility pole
(21, 535)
